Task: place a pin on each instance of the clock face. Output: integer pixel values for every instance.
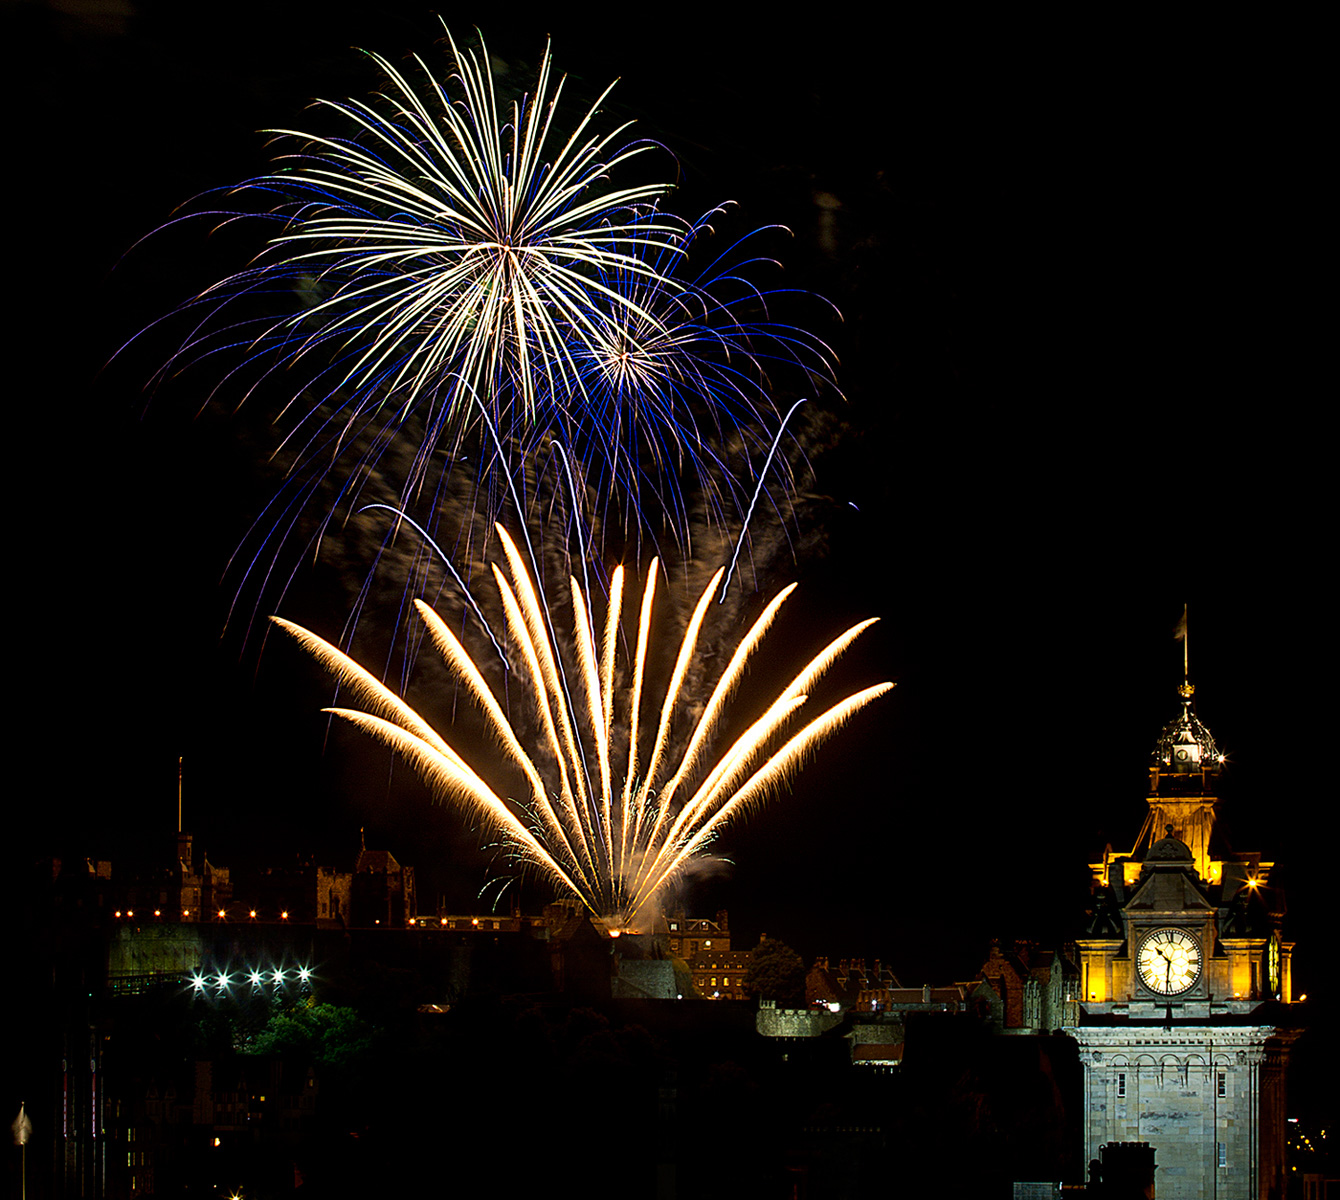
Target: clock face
(1169, 961)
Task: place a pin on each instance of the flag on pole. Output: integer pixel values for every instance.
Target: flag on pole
(22, 1128)
(1179, 634)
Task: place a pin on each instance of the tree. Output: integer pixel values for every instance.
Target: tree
(323, 1033)
(776, 972)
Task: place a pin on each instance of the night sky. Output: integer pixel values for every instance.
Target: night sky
(1076, 266)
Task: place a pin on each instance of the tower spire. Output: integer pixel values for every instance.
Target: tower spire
(1183, 767)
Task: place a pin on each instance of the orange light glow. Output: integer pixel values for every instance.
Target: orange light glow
(616, 834)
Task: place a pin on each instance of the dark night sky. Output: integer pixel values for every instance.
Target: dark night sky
(1076, 266)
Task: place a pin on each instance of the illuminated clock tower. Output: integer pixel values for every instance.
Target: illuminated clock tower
(1184, 1028)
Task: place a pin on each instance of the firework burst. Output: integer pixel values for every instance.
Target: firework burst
(615, 838)
(677, 390)
(457, 277)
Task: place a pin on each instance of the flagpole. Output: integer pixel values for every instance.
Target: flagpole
(1180, 634)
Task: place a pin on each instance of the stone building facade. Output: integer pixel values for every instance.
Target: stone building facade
(1210, 1099)
(1038, 989)
(718, 971)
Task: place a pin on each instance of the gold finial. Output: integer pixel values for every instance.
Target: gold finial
(1186, 690)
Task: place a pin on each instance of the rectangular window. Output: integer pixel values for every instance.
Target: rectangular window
(1121, 1083)
(1223, 1084)
(1223, 1153)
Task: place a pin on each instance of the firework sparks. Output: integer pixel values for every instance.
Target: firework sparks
(613, 839)
(460, 248)
(460, 266)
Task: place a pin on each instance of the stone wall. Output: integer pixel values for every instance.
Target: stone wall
(1193, 1093)
(772, 1021)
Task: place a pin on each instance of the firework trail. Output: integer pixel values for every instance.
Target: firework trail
(455, 262)
(615, 838)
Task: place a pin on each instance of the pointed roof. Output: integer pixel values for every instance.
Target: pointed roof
(1168, 880)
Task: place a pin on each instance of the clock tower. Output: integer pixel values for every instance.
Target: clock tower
(1184, 1028)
